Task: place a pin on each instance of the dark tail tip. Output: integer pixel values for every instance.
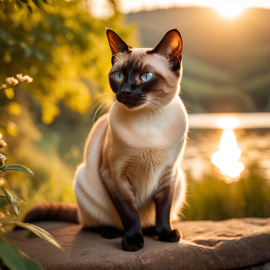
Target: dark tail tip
(53, 211)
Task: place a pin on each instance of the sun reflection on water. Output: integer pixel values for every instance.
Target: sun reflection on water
(226, 158)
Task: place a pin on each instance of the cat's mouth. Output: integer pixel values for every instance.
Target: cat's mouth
(133, 102)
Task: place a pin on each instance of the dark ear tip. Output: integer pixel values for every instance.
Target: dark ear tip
(107, 29)
(175, 30)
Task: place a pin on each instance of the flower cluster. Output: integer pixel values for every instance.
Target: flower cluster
(2, 143)
(12, 82)
(2, 159)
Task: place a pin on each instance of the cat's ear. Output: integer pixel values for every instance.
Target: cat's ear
(171, 47)
(117, 44)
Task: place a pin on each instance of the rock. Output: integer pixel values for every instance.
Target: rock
(263, 266)
(206, 245)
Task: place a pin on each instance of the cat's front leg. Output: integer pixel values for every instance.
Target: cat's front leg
(124, 202)
(163, 200)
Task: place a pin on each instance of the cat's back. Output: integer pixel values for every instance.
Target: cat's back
(96, 139)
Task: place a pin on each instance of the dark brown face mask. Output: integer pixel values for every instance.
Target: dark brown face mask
(128, 82)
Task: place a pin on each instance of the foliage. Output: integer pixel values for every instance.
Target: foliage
(213, 199)
(10, 256)
(62, 46)
(65, 49)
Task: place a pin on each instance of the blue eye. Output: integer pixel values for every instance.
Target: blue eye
(118, 76)
(146, 76)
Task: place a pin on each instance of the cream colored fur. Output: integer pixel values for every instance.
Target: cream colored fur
(139, 150)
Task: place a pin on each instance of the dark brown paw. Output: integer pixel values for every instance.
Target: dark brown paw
(170, 236)
(132, 243)
(150, 231)
(109, 232)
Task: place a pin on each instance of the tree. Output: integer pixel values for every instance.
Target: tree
(62, 46)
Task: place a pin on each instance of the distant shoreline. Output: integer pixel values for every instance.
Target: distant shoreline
(247, 120)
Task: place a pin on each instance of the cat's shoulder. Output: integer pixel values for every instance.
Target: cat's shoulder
(98, 131)
(101, 123)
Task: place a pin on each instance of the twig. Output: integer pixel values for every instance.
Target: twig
(12, 82)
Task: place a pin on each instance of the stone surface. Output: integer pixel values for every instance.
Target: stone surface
(230, 244)
(263, 266)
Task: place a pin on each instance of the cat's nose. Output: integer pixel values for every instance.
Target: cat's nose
(127, 89)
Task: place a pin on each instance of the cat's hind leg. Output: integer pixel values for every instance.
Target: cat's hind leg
(179, 195)
(109, 232)
(94, 204)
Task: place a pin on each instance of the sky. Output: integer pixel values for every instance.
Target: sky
(100, 7)
(130, 6)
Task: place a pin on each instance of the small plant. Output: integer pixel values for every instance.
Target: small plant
(10, 257)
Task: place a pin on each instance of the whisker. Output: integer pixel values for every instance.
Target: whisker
(158, 98)
(94, 99)
(155, 104)
(99, 108)
(101, 112)
(101, 100)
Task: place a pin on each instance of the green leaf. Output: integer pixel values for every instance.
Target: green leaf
(15, 208)
(2, 34)
(3, 202)
(40, 55)
(19, 5)
(30, 9)
(36, 3)
(31, 235)
(27, 50)
(17, 199)
(24, 1)
(31, 264)
(2, 168)
(17, 167)
(38, 231)
(13, 259)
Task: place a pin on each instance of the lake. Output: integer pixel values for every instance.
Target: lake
(252, 135)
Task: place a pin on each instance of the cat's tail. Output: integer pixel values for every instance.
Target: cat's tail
(53, 211)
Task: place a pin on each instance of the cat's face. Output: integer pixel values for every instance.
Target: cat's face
(146, 77)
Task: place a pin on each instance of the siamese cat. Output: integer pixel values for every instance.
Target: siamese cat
(131, 178)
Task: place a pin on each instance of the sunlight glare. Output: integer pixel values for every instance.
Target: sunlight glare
(226, 158)
(229, 10)
(228, 122)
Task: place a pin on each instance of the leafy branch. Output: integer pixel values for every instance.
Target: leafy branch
(10, 257)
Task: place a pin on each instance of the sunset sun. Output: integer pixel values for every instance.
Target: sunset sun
(229, 10)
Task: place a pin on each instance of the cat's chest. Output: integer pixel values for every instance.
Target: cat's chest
(144, 169)
(149, 139)
(149, 157)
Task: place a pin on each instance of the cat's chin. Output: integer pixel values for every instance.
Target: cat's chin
(132, 105)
